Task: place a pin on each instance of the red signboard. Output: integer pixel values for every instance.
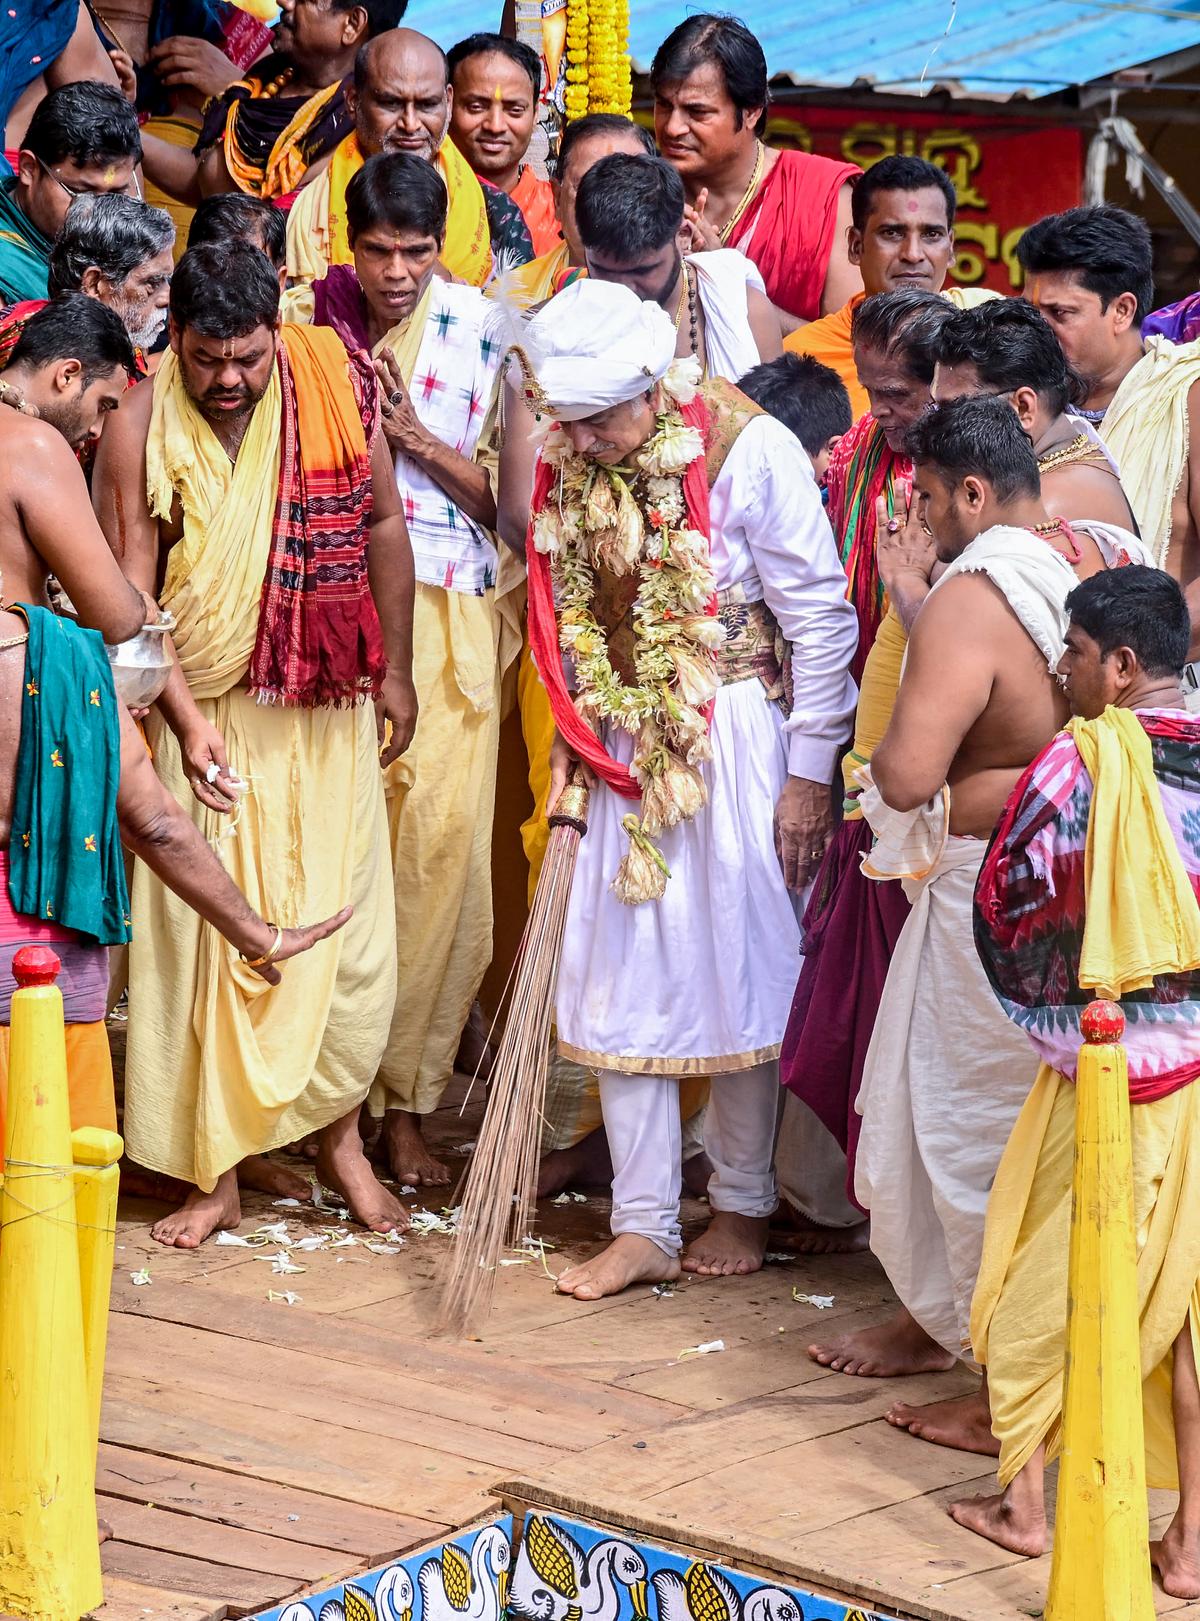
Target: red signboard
(1006, 173)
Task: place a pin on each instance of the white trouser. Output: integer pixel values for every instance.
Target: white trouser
(645, 1139)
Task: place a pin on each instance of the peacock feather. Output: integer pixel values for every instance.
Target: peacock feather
(550, 1556)
(706, 1601)
(456, 1573)
(358, 1606)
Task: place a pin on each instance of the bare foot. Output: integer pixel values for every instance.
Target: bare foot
(888, 1351)
(1177, 1560)
(409, 1160)
(139, 1183)
(263, 1175)
(586, 1164)
(476, 1054)
(1006, 1520)
(963, 1422)
(799, 1234)
(307, 1148)
(730, 1245)
(697, 1173)
(629, 1259)
(343, 1167)
(201, 1215)
(104, 1531)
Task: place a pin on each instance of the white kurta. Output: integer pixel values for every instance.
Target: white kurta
(701, 981)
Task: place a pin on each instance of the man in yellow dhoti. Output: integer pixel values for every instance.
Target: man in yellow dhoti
(1090, 887)
(438, 347)
(400, 99)
(250, 470)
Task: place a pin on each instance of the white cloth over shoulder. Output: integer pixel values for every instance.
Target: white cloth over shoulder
(1034, 579)
(1090, 431)
(724, 278)
(1117, 545)
(701, 981)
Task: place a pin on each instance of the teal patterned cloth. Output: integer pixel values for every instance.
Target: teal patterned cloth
(65, 861)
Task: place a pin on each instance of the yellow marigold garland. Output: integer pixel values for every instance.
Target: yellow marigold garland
(576, 97)
(598, 70)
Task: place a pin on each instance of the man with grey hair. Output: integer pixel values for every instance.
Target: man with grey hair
(119, 250)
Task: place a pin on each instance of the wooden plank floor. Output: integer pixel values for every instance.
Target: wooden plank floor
(253, 1450)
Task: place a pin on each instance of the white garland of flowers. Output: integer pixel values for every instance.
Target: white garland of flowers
(626, 520)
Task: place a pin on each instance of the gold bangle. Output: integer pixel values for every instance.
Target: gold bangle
(261, 962)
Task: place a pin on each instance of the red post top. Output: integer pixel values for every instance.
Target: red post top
(1103, 1024)
(35, 965)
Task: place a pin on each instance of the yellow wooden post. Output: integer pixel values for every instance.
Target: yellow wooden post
(1101, 1565)
(96, 1153)
(49, 1554)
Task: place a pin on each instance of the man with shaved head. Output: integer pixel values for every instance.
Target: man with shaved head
(400, 100)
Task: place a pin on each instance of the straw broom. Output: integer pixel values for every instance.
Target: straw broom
(500, 1188)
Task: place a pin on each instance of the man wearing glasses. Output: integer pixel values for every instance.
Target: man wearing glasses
(83, 138)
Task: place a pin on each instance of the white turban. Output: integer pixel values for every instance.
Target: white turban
(595, 345)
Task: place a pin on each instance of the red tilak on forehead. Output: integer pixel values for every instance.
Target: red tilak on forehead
(913, 205)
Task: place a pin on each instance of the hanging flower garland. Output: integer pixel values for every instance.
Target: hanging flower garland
(599, 78)
(576, 95)
(637, 522)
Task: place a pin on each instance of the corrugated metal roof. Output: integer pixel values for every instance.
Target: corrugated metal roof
(998, 48)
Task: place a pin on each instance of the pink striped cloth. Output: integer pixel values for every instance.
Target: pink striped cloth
(83, 980)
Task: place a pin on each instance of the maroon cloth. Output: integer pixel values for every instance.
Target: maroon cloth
(788, 228)
(339, 302)
(850, 930)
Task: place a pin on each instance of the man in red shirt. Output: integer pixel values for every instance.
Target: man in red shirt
(788, 211)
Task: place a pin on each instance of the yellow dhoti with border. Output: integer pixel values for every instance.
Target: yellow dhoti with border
(440, 796)
(220, 1064)
(1019, 1314)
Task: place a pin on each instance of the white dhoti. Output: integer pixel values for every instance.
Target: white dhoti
(697, 983)
(945, 1078)
(701, 981)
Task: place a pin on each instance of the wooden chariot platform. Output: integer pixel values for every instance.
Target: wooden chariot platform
(254, 1450)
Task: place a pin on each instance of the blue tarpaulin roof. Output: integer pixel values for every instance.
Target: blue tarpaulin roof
(993, 48)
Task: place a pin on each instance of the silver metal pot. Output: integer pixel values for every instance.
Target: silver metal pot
(141, 665)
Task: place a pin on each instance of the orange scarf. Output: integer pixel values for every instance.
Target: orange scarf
(535, 199)
(319, 641)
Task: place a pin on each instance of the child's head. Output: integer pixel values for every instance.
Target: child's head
(806, 397)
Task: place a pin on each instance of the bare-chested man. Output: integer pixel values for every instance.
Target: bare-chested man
(68, 371)
(1089, 271)
(1007, 349)
(944, 1079)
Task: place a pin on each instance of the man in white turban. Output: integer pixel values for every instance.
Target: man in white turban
(677, 547)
